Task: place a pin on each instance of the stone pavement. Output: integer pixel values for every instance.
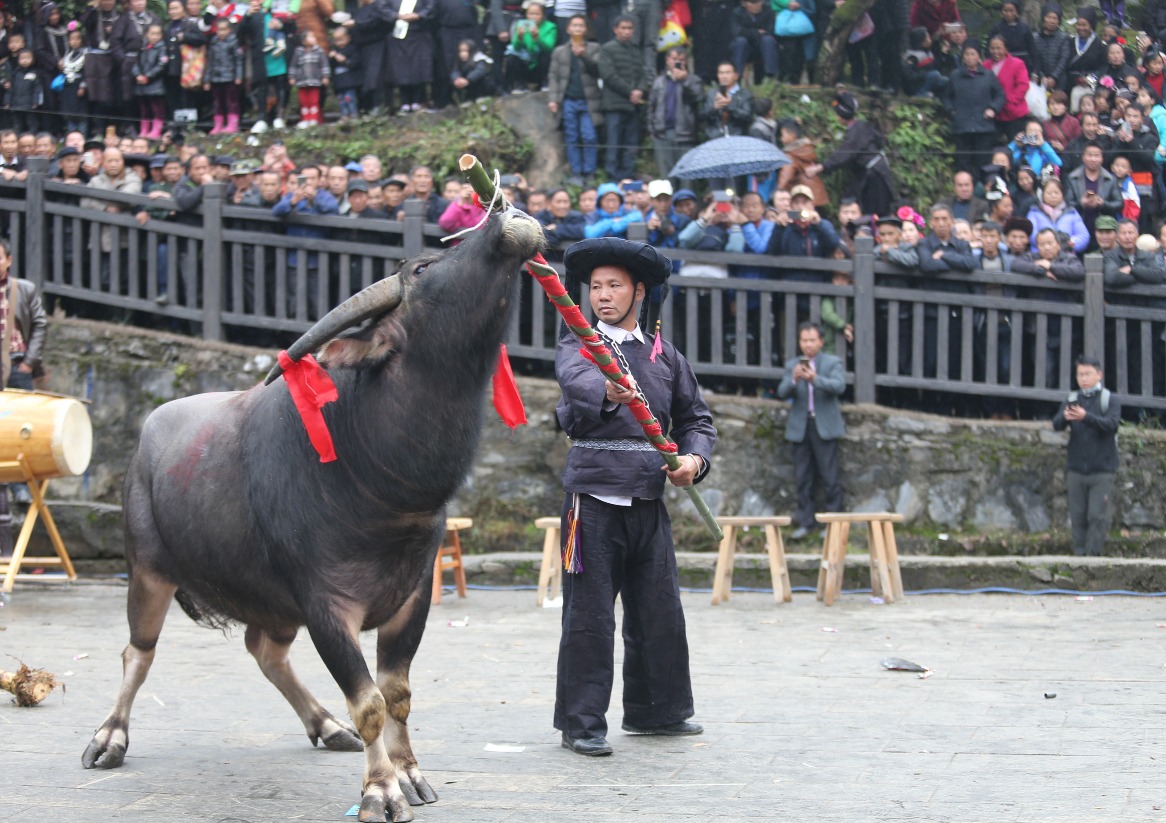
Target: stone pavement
(801, 724)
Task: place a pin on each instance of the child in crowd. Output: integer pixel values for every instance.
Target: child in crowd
(224, 75)
(920, 76)
(28, 92)
(149, 76)
(834, 322)
(471, 75)
(272, 92)
(74, 106)
(310, 71)
(347, 76)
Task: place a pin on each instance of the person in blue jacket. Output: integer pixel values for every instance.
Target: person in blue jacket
(610, 218)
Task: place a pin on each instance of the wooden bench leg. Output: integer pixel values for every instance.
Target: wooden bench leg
(824, 565)
(843, 546)
(880, 581)
(459, 570)
(723, 575)
(548, 579)
(778, 571)
(892, 551)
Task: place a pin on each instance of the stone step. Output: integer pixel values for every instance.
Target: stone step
(752, 571)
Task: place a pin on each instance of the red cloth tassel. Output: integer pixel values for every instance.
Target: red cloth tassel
(507, 401)
(310, 388)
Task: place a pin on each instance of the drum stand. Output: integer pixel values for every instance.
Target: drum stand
(11, 568)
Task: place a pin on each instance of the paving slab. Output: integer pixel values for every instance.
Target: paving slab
(801, 724)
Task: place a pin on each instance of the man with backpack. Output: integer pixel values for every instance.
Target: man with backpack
(1092, 415)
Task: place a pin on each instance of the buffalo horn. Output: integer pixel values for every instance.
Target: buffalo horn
(378, 298)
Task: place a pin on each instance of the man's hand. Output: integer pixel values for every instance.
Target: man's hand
(1074, 413)
(142, 218)
(989, 114)
(552, 106)
(24, 368)
(618, 394)
(1126, 269)
(813, 170)
(720, 101)
(1050, 83)
(848, 332)
(637, 97)
(804, 372)
(689, 468)
(937, 254)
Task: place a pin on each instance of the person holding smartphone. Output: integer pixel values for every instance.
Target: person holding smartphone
(813, 382)
(1091, 414)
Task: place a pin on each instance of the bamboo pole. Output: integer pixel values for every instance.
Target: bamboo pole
(596, 351)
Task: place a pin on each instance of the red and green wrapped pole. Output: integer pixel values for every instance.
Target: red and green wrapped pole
(594, 348)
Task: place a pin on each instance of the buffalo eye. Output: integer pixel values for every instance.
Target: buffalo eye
(420, 270)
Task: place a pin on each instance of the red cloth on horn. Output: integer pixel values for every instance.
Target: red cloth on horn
(507, 401)
(310, 388)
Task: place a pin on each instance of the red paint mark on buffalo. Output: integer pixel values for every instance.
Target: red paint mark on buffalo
(184, 473)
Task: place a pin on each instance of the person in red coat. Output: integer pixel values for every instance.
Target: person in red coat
(934, 15)
(1013, 77)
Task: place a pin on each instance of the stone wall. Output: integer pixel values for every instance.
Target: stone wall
(964, 486)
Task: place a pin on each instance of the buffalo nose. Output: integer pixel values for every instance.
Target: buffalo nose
(521, 232)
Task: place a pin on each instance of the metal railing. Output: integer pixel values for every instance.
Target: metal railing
(224, 269)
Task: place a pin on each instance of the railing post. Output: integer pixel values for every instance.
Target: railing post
(414, 232)
(213, 257)
(35, 220)
(638, 232)
(864, 321)
(1094, 307)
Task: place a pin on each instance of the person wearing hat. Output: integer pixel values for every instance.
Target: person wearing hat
(1105, 233)
(610, 218)
(1086, 58)
(861, 154)
(241, 188)
(684, 203)
(801, 232)
(664, 223)
(618, 538)
(69, 168)
(358, 206)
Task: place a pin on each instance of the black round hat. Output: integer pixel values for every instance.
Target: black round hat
(643, 262)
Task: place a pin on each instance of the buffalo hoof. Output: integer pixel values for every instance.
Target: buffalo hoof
(420, 787)
(399, 810)
(343, 740)
(372, 809)
(411, 795)
(103, 756)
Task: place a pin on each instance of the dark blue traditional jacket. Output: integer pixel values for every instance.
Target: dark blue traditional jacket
(673, 396)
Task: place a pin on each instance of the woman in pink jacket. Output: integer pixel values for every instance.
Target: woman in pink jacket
(462, 213)
(1013, 77)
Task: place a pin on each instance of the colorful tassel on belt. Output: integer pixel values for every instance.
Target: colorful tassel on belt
(572, 545)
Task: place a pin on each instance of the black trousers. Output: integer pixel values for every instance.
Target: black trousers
(626, 551)
(816, 462)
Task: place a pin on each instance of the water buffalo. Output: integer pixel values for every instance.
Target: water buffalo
(229, 510)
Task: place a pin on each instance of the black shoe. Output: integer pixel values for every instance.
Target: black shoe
(587, 746)
(678, 729)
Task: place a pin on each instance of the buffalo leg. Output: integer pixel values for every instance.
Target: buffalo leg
(337, 639)
(146, 606)
(270, 650)
(397, 642)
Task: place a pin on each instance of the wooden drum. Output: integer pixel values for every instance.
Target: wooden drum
(52, 432)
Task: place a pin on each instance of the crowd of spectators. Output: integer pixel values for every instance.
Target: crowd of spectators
(1059, 134)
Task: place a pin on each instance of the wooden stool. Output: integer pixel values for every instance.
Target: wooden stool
(550, 574)
(451, 548)
(10, 569)
(778, 573)
(885, 580)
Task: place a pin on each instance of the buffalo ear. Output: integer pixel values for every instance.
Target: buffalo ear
(368, 348)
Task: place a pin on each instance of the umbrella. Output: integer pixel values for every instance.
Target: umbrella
(729, 157)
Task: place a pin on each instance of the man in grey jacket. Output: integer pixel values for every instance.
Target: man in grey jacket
(673, 107)
(814, 381)
(624, 91)
(1091, 189)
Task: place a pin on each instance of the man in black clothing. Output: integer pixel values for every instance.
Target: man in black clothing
(617, 534)
(1092, 416)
